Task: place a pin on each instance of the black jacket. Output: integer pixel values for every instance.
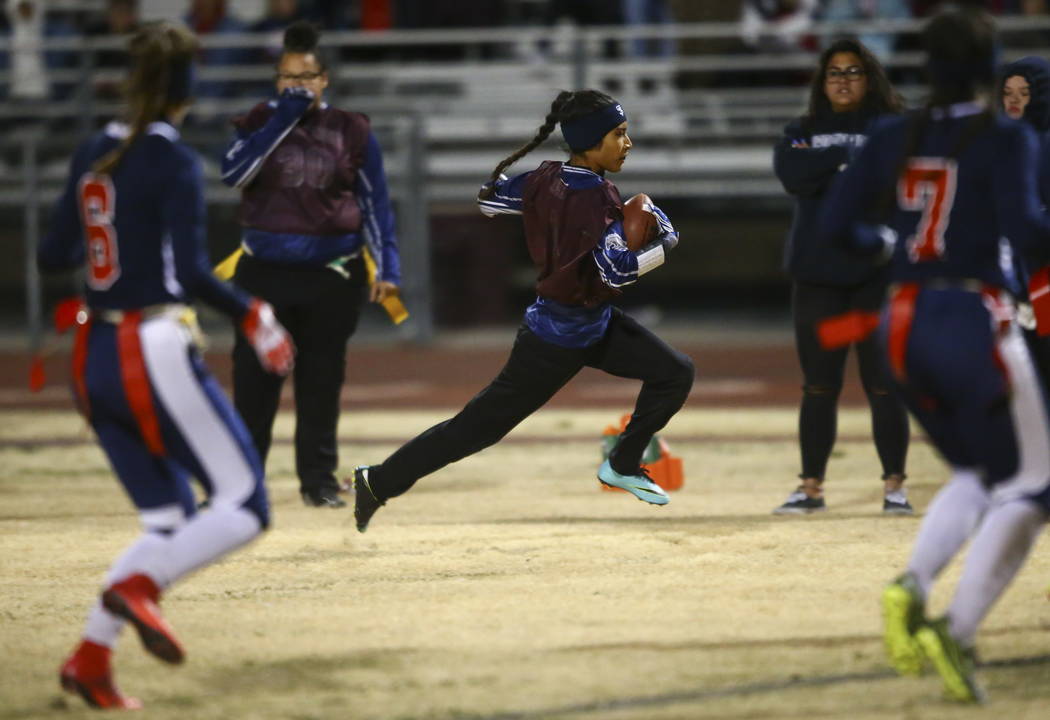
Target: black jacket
(806, 172)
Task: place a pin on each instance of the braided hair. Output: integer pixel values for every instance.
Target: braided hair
(161, 56)
(566, 106)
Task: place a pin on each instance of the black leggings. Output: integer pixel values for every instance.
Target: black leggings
(822, 372)
(535, 371)
(320, 309)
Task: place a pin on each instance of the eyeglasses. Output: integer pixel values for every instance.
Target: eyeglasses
(851, 74)
(301, 77)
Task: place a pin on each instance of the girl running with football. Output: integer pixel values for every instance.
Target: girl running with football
(573, 219)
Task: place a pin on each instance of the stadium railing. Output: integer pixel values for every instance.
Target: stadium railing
(448, 104)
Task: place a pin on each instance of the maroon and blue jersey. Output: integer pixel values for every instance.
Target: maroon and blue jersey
(576, 280)
(956, 199)
(313, 185)
(140, 231)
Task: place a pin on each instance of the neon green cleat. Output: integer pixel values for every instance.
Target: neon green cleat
(954, 663)
(903, 612)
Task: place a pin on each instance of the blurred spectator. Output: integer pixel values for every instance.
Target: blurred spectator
(880, 44)
(776, 25)
(584, 13)
(1029, 39)
(376, 15)
(339, 14)
(450, 14)
(121, 18)
(649, 12)
(689, 11)
(27, 25)
(279, 15)
(209, 17)
(925, 8)
(29, 79)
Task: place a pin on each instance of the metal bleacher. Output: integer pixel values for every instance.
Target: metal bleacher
(449, 104)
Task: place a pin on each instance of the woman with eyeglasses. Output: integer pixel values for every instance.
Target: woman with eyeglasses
(317, 231)
(848, 91)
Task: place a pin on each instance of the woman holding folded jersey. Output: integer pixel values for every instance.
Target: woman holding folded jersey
(314, 204)
(848, 91)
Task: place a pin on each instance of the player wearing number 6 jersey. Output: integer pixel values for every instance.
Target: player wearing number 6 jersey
(133, 212)
(314, 208)
(950, 181)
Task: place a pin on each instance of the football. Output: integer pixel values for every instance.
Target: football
(639, 223)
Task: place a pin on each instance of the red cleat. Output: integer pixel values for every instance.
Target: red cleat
(135, 599)
(86, 673)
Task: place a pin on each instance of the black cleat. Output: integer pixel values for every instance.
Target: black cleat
(323, 497)
(365, 501)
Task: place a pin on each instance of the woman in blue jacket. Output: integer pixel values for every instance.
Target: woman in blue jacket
(848, 91)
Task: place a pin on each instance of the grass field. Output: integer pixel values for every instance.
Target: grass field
(508, 586)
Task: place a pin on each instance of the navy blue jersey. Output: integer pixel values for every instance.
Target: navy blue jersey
(141, 230)
(949, 209)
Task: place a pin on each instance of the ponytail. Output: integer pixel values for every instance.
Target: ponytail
(161, 62)
(542, 134)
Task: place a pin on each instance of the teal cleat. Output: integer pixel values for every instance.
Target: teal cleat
(955, 664)
(903, 612)
(638, 485)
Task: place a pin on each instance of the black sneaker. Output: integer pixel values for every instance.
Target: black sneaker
(799, 503)
(365, 501)
(323, 497)
(896, 503)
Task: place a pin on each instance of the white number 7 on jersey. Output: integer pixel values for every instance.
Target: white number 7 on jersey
(928, 184)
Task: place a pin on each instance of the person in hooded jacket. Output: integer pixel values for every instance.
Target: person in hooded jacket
(1025, 93)
(848, 91)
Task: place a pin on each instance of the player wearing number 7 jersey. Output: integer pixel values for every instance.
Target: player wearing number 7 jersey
(950, 182)
(133, 212)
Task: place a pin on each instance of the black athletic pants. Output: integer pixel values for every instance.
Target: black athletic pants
(535, 371)
(822, 372)
(319, 308)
